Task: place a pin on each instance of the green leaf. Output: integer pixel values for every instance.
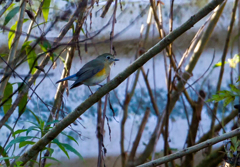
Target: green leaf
(32, 56)
(52, 159)
(11, 14)
(49, 164)
(234, 89)
(34, 161)
(70, 148)
(37, 125)
(10, 128)
(13, 157)
(217, 98)
(52, 122)
(23, 102)
(63, 60)
(219, 64)
(25, 44)
(19, 131)
(11, 33)
(49, 149)
(36, 117)
(24, 143)
(18, 164)
(224, 93)
(18, 140)
(70, 137)
(45, 9)
(30, 129)
(3, 54)
(10, 7)
(42, 125)
(228, 100)
(4, 154)
(6, 96)
(60, 145)
(45, 45)
(235, 142)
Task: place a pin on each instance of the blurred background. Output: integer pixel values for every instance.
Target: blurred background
(191, 119)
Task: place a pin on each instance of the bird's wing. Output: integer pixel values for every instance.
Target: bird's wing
(88, 71)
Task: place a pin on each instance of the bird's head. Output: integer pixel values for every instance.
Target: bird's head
(107, 58)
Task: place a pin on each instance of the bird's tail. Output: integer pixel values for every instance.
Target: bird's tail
(72, 77)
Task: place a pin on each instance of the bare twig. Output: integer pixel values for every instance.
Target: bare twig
(105, 10)
(5, 7)
(39, 10)
(99, 133)
(169, 86)
(155, 107)
(192, 132)
(138, 136)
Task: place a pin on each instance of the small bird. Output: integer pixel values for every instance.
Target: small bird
(93, 72)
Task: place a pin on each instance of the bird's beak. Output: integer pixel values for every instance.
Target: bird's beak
(116, 59)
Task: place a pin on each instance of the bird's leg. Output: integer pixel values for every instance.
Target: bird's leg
(90, 89)
(100, 85)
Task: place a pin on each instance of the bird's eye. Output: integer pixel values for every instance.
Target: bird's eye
(108, 57)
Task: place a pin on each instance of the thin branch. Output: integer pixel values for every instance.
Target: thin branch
(99, 133)
(39, 10)
(218, 127)
(139, 135)
(155, 107)
(9, 2)
(162, 34)
(105, 10)
(192, 149)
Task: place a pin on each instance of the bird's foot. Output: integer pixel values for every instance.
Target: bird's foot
(100, 85)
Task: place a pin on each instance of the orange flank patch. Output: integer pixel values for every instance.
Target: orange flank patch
(101, 73)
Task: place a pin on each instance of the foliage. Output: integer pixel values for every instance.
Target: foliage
(6, 97)
(226, 95)
(37, 129)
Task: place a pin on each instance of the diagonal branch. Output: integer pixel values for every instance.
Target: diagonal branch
(108, 4)
(218, 127)
(192, 149)
(155, 107)
(9, 2)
